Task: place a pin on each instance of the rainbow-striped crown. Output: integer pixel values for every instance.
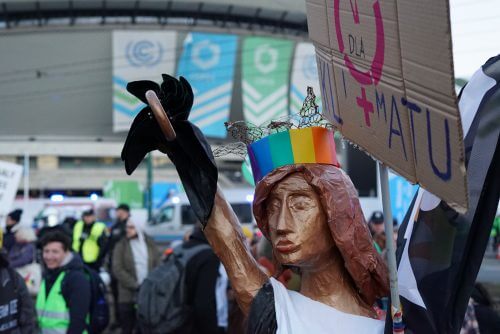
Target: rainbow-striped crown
(295, 146)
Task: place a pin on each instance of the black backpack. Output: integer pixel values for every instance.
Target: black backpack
(161, 302)
(99, 308)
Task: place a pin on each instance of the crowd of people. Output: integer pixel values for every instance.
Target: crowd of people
(61, 299)
(49, 273)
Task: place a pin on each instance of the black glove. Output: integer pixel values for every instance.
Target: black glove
(190, 152)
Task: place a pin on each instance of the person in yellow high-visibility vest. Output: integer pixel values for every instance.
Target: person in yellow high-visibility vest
(63, 303)
(89, 240)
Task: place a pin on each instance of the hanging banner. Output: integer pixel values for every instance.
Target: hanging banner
(208, 62)
(304, 74)
(138, 55)
(10, 174)
(265, 67)
(387, 82)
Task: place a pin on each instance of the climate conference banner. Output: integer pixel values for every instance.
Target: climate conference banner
(138, 55)
(208, 62)
(265, 80)
(304, 74)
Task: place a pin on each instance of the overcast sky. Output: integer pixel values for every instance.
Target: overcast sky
(475, 26)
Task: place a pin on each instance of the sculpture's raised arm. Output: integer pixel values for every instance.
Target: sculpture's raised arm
(188, 149)
(304, 204)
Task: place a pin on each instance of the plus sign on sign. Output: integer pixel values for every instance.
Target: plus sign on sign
(387, 84)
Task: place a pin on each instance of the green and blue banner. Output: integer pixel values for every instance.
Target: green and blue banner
(208, 62)
(265, 80)
(138, 55)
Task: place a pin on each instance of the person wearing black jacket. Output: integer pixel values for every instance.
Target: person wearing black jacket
(17, 312)
(117, 233)
(484, 306)
(118, 230)
(73, 286)
(202, 271)
(12, 221)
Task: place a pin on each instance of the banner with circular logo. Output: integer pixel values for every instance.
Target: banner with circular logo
(138, 55)
(266, 69)
(208, 62)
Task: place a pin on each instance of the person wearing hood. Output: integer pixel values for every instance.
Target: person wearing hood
(23, 258)
(23, 251)
(206, 291)
(64, 299)
(133, 258)
(13, 219)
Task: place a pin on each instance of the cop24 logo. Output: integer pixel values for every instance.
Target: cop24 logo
(144, 53)
(265, 58)
(205, 54)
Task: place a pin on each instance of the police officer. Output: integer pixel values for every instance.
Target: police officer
(89, 240)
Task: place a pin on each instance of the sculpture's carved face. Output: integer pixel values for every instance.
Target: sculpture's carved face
(297, 223)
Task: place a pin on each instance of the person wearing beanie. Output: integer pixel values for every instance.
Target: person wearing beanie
(9, 238)
(203, 272)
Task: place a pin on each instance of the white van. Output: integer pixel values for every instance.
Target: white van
(175, 218)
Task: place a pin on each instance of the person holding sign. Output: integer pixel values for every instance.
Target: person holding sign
(304, 204)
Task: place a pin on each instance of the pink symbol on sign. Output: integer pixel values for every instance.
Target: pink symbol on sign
(375, 72)
(366, 105)
(355, 12)
(372, 76)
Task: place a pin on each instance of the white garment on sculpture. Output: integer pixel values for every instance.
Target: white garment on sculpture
(297, 314)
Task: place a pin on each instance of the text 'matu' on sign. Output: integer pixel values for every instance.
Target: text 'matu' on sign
(387, 83)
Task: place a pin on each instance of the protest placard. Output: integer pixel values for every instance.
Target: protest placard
(387, 84)
(10, 174)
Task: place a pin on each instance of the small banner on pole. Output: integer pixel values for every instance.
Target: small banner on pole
(10, 174)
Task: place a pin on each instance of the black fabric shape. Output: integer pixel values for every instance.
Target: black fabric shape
(189, 152)
(262, 317)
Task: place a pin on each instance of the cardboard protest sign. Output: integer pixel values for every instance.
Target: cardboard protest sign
(387, 84)
(10, 174)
